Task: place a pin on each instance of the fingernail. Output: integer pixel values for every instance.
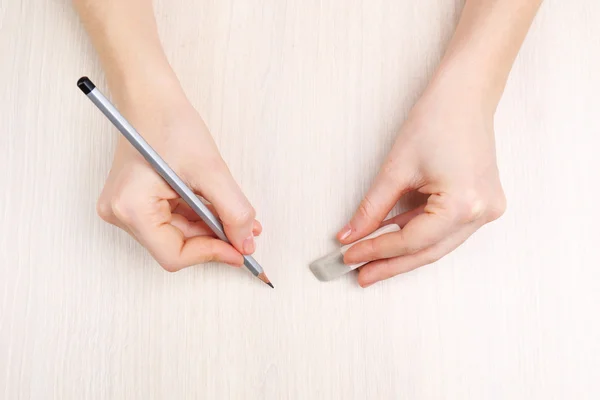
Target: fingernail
(249, 245)
(345, 232)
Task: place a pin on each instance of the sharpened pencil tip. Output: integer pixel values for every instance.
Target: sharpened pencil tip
(264, 278)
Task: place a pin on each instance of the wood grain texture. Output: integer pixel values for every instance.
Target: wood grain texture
(304, 99)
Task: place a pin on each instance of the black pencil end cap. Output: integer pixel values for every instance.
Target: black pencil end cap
(85, 85)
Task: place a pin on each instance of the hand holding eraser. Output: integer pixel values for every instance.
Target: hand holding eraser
(332, 265)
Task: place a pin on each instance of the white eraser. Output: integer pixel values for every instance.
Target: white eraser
(332, 265)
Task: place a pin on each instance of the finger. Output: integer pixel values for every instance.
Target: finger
(190, 228)
(180, 207)
(257, 228)
(402, 219)
(151, 225)
(391, 183)
(173, 252)
(232, 206)
(105, 212)
(433, 225)
(383, 269)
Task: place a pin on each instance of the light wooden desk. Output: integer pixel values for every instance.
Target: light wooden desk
(319, 89)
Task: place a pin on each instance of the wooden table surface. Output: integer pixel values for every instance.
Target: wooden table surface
(304, 99)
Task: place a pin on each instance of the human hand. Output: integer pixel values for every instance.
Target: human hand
(136, 199)
(445, 150)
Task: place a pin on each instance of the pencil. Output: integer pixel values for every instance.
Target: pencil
(163, 169)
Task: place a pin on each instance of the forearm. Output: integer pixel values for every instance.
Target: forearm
(124, 34)
(481, 53)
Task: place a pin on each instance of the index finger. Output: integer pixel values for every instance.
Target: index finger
(421, 232)
(384, 269)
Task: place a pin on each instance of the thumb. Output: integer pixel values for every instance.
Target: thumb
(233, 208)
(390, 184)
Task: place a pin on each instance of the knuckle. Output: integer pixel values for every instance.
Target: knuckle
(209, 252)
(366, 208)
(121, 209)
(497, 208)
(374, 249)
(473, 206)
(407, 246)
(410, 248)
(470, 207)
(104, 210)
(243, 216)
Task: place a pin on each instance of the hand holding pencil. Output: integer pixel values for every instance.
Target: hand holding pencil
(136, 199)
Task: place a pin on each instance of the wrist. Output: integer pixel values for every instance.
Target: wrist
(150, 105)
(152, 86)
(460, 85)
(150, 96)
